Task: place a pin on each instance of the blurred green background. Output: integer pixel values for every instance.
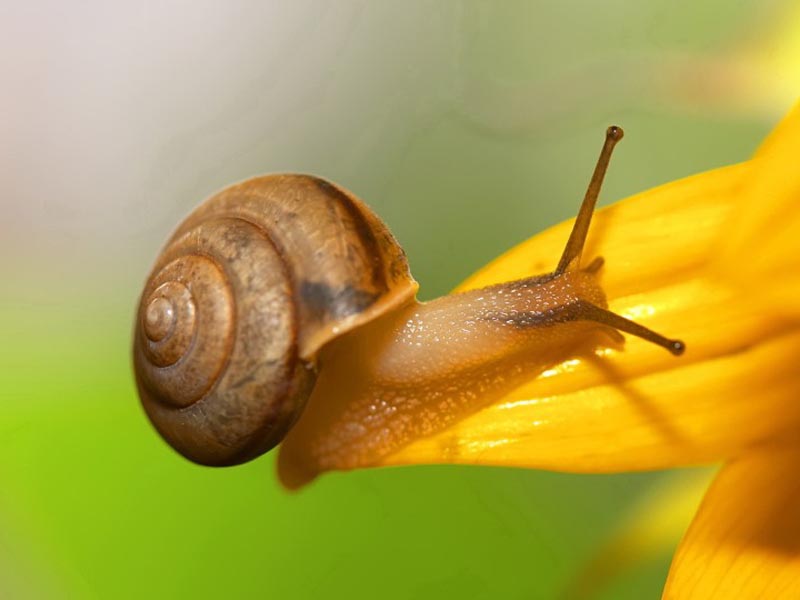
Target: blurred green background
(468, 126)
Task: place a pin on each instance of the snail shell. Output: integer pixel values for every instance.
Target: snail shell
(247, 290)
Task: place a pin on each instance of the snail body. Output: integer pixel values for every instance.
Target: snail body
(423, 366)
(287, 287)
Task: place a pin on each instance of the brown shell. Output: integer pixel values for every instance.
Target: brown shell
(247, 290)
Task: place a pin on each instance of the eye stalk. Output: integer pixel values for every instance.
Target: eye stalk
(583, 310)
(580, 230)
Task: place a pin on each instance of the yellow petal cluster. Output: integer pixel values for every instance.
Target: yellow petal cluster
(713, 260)
(745, 539)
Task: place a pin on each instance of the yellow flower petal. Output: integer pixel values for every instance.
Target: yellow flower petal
(766, 227)
(642, 408)
(674, 261)
(745, 541)
(612, 422)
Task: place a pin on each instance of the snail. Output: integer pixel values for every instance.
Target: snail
(286, 287)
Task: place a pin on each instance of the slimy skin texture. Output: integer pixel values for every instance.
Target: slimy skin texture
(422, 368)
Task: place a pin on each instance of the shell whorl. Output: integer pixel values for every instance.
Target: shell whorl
(247, 290)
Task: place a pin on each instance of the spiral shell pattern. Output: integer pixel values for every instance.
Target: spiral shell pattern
(248, 289)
